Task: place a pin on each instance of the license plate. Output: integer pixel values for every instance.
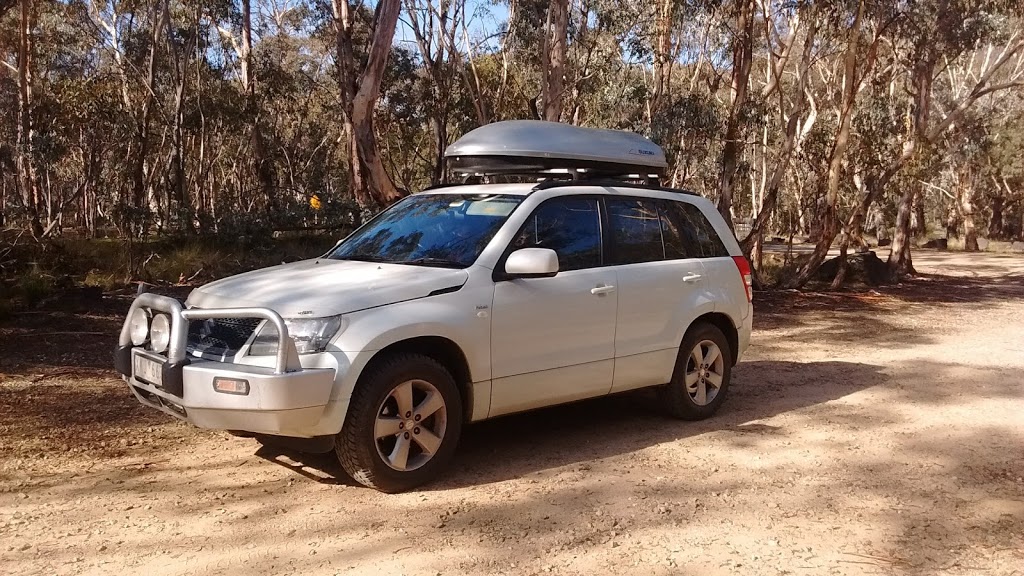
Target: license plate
(148, 370)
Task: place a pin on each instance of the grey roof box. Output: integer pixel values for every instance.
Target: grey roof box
(536, 146)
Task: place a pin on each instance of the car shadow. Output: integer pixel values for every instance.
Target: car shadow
(320, 468)
(518, 445)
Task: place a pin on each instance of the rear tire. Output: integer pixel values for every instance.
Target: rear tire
(701, 377)
(403, 424)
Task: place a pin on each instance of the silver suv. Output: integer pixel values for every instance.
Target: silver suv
(463, 303)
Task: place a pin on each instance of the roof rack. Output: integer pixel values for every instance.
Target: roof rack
(548, 184)
(554, 150)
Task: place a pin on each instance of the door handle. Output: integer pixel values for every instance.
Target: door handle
(604, 289)
(692, 277)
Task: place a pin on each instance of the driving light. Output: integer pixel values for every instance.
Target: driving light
(231, 386)
(139, 327)
(311, 335)
(160, 332)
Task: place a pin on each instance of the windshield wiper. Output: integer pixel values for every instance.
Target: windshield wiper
(438, 262)
(363, 258)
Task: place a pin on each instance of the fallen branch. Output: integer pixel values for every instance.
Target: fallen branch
(861, 562)
(193, 277)
(892, 561)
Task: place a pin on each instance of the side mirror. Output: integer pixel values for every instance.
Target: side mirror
(532, 263)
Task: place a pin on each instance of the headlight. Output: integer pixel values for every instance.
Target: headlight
(311, 335)
(160, 332)
(139, 327)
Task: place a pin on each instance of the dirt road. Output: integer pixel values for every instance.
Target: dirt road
(880, 433)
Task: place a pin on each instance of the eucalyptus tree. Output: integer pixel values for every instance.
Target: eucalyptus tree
(359, 82)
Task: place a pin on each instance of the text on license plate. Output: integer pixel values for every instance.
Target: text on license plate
(148, 370)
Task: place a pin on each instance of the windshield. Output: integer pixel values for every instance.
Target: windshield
(449, 230)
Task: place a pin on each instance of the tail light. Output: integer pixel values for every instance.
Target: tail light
(744, 267)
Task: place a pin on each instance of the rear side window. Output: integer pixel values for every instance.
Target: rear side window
(680, 237)
(635, 230)
(569, 226)
(688, 233)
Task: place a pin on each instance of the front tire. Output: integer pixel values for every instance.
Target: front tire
(403, 424)
(701, 377)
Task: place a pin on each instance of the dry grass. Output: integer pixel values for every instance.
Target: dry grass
(33, 272)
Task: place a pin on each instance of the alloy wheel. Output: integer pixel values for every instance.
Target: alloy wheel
(705, 368)
(410, 425)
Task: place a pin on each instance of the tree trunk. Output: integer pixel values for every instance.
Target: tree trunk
(952, 221)
(440, 130)
(90, 190)
(802, 225)
(829, 214)
(995, 224)
(967, 211)
(177, 195)
(432, 43)
(853, 231)
(1020, 231)
(662, 54)
(555, 49)
(742, 55)
(918, 225)
(264, 166)
(879, 225)
(139, 180)
(345, 62)
(26, 132)
(379, 185)
(795, 133)
(360, 90)
(900, 262)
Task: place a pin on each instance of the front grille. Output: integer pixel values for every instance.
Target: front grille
(220, 338)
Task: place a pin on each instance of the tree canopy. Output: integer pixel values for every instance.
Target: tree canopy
(826, 119)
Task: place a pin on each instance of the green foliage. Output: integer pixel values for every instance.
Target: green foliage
(26, 290)
(34, 286)
(190, 153)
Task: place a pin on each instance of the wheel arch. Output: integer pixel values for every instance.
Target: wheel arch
(723, 323)
(444, 351)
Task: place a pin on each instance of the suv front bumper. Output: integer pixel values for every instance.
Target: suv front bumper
(285, 400)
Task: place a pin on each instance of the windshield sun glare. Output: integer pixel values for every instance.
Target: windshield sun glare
(443, 230)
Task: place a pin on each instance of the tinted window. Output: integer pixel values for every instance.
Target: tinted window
(569, 226)
(680, 237)
(635, 230)
(430, 230)
(699, 238)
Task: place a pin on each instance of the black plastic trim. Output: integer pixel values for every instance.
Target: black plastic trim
(123, 360)
(447, 290)
(173, 377)
(497, 164)
(604, 182)
(527, 276)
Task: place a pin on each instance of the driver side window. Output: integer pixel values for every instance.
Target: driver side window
(569, 226)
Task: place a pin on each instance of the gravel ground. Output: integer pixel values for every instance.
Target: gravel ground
(877, 432)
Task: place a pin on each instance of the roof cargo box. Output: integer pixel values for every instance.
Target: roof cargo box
(539, 147)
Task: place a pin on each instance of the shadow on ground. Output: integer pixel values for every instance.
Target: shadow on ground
(518, 445)
(865, 311)
(938, 497)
